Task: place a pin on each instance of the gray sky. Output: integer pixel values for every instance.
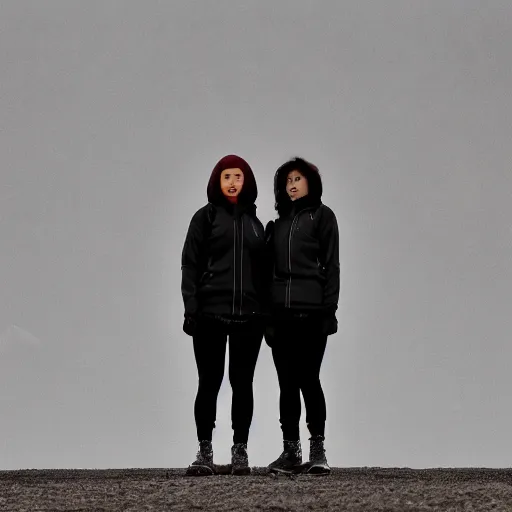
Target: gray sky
(112, 115)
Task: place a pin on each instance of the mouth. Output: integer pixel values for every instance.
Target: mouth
(232, 190)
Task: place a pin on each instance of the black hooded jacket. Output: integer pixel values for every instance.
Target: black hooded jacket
(222, 259)
(304, 246)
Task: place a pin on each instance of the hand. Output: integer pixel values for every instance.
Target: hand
(330, 326)
(189, 325)
(329, 321)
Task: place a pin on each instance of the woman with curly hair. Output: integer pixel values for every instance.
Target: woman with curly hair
(303, 244)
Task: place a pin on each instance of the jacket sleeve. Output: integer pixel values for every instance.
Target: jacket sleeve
(193, 262)
(329, 258)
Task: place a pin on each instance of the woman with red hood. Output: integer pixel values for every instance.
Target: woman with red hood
(222, 288)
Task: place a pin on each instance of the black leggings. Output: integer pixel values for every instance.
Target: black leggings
(210, 343)
(298, 350)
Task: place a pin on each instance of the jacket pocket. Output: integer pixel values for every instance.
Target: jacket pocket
(321, 269)
(205, 277)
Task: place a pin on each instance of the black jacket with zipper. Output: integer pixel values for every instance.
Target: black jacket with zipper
(223, 262)
(304, 246)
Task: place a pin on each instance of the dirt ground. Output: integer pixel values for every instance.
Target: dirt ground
(352, 489)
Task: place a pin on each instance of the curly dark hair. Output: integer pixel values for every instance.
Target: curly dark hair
(310, 171)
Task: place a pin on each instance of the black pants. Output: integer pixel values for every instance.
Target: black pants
(298, 349)
(210, 340)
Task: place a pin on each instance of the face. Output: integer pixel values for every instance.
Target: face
(296, 185)
(231, 182)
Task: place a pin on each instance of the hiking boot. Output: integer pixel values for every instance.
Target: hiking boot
(239, 459)
(203, 465)
(290, 460)
(317, 464)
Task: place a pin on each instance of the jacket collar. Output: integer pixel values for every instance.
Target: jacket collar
(238, 209)
(304, 202)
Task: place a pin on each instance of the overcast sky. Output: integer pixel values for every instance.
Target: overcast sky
(112, 115)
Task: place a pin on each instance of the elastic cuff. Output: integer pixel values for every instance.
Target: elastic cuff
(330, 309)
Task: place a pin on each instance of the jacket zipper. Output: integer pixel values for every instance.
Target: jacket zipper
(288, 297)
(241, 264)
(289, 287)
(234, 265)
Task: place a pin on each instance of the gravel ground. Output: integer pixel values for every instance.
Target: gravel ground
(352, 489)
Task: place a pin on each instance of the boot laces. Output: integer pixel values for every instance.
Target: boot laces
(205, 452)
(317, 447)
